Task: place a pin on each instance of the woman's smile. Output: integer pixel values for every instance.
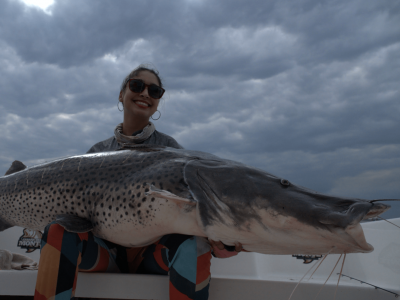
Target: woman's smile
(141, 104)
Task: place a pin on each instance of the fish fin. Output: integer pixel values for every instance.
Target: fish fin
(214, 199)
(73, 223)
(16, 166)
(141, 147)
(4, 225)
(169, 196)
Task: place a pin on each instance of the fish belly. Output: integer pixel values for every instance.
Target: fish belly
(146, 224)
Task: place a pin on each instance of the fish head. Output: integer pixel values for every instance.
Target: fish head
(268, 214)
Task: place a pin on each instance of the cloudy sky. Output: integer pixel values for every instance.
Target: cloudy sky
(307, 90)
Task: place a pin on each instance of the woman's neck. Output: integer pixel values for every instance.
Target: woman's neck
(128, 128)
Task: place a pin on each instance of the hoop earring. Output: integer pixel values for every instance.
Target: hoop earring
(158, 116)
(122, 106)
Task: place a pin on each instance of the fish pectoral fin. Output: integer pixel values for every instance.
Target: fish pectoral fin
(211, 195)
(73, 223)
(155, 192)
(16, 166)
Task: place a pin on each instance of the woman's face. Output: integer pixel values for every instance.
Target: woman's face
(139, 106)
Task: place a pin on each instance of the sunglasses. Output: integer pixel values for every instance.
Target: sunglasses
(138, 86)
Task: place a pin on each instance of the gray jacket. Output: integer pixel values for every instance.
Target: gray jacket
(157, 138)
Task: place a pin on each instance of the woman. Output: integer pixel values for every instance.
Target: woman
(185, 258)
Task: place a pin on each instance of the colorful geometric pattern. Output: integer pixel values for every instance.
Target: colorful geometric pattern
(186, 259)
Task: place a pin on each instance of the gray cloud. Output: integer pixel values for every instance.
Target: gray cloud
(305, 90)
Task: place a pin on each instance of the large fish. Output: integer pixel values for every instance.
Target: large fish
(134, 197)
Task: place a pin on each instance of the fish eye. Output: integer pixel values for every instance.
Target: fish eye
(285, 182)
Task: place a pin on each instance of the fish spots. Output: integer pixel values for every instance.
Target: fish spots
(115, 184)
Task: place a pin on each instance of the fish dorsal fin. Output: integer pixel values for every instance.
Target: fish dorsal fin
(155, 192)
(16, 166)
(73, 223)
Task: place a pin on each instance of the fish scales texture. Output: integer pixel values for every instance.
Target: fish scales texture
(136, 196)
(107, 189)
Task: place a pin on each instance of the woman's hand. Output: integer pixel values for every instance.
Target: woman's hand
(220, 251)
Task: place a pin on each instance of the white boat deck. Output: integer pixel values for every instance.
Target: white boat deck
(246, 276)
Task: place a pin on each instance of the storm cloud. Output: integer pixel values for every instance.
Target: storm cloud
(307, 90)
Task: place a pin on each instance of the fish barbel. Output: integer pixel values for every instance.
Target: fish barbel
(134, 197)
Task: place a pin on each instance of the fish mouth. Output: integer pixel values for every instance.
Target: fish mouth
(376, 210)
(355, 213)
(357, 234)
(358, 212)
(356, 231)
(366, 210)
(350, 223)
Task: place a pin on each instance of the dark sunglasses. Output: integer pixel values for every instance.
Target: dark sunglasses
(138, 86)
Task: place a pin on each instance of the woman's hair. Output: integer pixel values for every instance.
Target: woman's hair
(136, 72)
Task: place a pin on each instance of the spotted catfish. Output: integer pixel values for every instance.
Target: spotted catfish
(133, 197)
